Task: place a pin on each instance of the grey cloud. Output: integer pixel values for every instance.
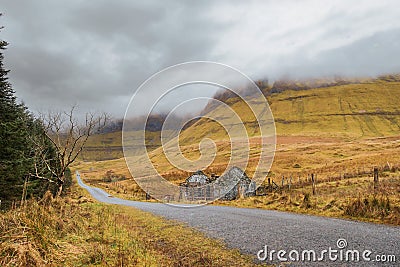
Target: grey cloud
(370, 56)
(96, 53)
(89, 53)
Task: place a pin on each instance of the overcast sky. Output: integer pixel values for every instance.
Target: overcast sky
(96, 53)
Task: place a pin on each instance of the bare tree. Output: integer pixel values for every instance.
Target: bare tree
(68, 135)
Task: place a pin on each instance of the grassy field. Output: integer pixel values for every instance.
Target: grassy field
(76, 231)
(343, 170)
(338, 133)
(109, 146)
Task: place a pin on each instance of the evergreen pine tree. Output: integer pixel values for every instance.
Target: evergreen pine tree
(14, 142)
(24, 146)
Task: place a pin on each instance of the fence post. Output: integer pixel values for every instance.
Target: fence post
(269, 185)
(313, 183)
(376, 177)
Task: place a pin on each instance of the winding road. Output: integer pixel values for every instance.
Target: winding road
(251, 230)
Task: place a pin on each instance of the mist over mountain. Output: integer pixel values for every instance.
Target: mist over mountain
(154, 122)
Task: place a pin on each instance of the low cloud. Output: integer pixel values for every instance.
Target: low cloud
(97, 53)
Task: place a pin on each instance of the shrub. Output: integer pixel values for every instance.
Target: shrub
(368, 207)
(306, 201)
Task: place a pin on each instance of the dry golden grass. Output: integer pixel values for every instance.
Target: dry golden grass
(75, 231)
(342, 167)
(295, 156)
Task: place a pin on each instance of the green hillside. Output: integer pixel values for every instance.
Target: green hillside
(353, 110)
(360, 110)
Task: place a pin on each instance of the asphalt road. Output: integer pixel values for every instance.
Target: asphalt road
(250, 230)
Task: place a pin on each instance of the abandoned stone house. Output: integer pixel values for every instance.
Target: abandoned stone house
(201, 187)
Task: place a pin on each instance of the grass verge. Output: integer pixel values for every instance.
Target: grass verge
(76, 231)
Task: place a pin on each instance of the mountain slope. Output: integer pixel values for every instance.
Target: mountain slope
(357, 110)
(343, 112)
(354, 110)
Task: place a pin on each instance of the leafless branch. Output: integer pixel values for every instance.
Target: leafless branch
(69, 136)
